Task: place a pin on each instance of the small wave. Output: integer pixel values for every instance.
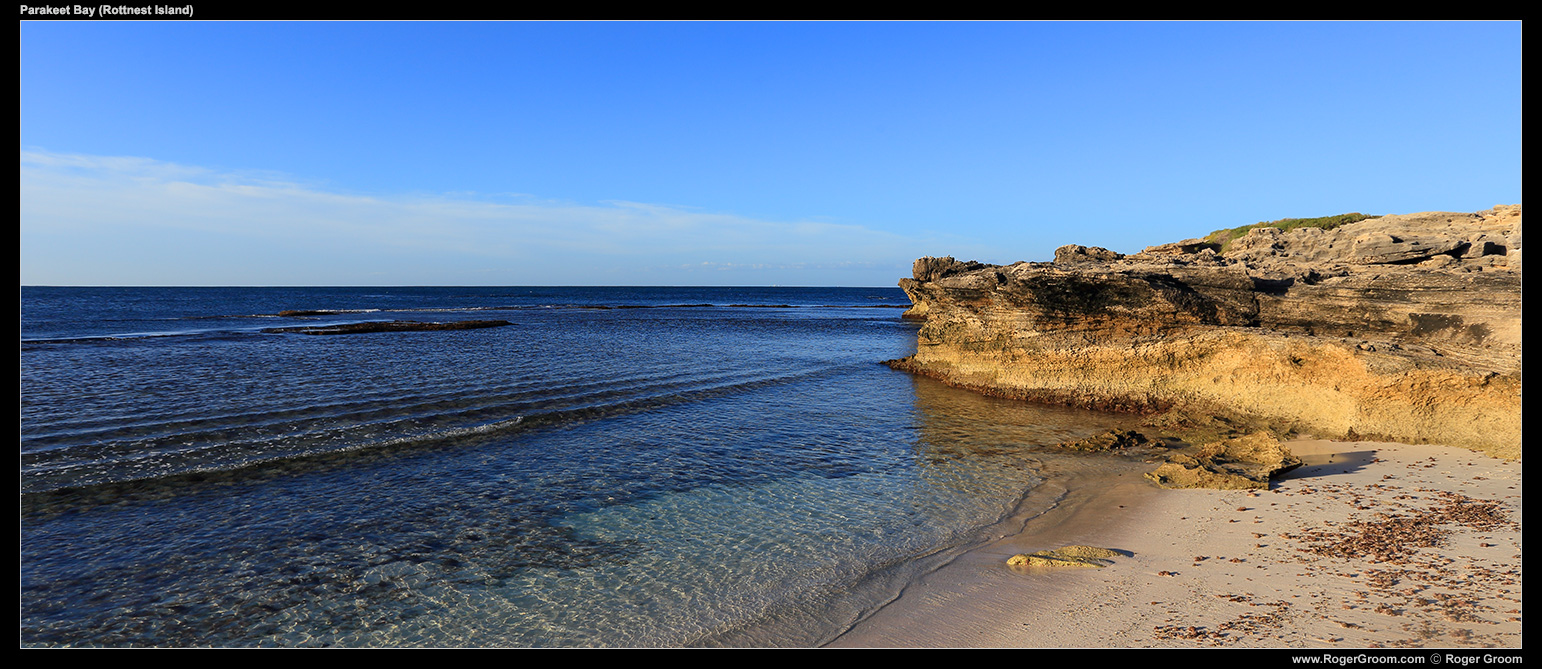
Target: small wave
(68, 484)
(492, 428)
(324, 312)
(132, 337)
(223, 317)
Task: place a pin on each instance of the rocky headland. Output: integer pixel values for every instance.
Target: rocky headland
(1399, 328)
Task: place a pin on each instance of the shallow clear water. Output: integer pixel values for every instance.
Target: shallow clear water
(618, 467)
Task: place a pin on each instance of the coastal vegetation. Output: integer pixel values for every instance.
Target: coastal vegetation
(1224, 237)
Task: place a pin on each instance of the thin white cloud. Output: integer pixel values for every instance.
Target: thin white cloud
(127, 220)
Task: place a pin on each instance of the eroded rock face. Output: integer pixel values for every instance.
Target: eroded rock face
(1405, 328)
(1076, 253)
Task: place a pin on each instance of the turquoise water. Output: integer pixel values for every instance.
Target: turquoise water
(617, 467)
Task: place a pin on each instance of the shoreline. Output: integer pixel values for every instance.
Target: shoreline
(1261, 569)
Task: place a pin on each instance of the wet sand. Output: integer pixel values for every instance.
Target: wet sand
(1368, 545)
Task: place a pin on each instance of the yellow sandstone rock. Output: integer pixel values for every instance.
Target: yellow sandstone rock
(1347, 332)
(1067, 556)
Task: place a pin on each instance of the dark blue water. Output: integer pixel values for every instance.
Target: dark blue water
(616, 467)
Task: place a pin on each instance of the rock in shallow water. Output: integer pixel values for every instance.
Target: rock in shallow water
(1112, 440)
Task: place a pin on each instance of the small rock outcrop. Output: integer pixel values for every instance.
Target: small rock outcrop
(1401, 328)
(1185, 247)
(1241, 463)
(1076, 253)
(1066, 556)
(1112, 440)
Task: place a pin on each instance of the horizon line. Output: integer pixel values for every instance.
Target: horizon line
(468, 285)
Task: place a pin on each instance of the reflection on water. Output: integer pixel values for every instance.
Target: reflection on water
(953, 423)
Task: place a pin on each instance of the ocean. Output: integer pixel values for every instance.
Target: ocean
(618, 467)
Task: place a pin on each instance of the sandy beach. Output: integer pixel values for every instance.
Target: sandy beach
(1368, 545)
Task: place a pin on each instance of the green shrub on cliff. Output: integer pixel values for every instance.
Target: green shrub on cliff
(1224, 237)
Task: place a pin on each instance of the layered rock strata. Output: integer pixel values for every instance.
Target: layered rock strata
(1402, 328)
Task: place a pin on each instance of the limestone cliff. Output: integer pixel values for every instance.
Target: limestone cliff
(1403, 328)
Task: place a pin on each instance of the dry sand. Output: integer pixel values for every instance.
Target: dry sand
(1436, 565)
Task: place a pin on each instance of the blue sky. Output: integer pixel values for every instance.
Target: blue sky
(512, 153)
